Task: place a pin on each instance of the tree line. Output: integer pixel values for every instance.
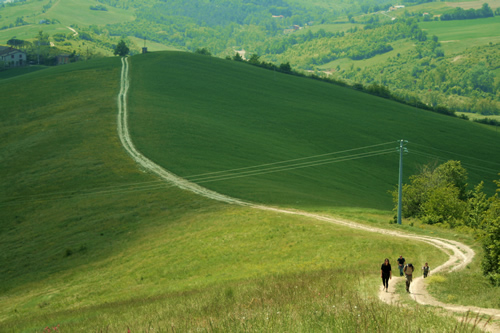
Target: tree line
(439, 196)
(461, 14)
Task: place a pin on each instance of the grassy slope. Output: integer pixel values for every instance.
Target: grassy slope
(456, 36)
(89, 241)
(78, 12)
(210, 115)
(68, 12)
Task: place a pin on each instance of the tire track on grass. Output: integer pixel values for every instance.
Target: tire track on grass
(460, 255)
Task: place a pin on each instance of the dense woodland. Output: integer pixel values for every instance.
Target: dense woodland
(461, 14)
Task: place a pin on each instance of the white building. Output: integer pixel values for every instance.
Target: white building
(12, 57)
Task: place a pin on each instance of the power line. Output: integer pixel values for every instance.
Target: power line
(469, 166)
(457, 154)
(206, 177)
(290, 167)
(256, 170)
(298, 159)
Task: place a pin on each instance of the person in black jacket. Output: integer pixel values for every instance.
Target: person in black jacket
(386, 273)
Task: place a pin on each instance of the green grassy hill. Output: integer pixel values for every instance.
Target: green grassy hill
(90, 242)
(210, 119)
(60, 17)
(67, 13)
(415, 56)
(456, 36)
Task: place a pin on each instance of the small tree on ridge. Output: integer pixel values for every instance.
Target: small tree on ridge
(121, 49)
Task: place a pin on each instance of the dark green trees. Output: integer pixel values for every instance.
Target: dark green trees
(121, 49)
(439, 196)
(491, 242)
(436, 195)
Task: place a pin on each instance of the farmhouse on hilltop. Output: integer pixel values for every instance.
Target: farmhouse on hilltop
(12, 57)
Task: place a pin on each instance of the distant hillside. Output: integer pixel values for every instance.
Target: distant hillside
(407, 48)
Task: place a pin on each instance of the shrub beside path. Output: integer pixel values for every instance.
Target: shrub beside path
(460, 254)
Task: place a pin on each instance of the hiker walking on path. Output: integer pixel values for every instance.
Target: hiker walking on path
(409, 269)
(401, 265)
(385, 272)
(426, 270)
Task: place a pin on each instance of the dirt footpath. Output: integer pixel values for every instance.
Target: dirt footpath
(460, 255)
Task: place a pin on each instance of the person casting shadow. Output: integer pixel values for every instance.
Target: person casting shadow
(386, 273)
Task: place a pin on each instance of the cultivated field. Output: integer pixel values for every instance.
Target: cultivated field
(89, 241)
(455, 36)
(70, 13)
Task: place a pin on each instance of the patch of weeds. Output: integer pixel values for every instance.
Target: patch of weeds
(436, 279)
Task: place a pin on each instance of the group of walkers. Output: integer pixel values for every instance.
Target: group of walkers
(406, 270)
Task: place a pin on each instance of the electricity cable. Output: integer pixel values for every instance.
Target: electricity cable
(290, 167)
(298, 159)
(469, 166)
(125, 188)
(461, 155)
(255, 170)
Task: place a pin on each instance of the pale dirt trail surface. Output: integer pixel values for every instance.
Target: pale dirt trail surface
(460, 255)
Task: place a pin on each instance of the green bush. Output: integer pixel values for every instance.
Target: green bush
(491, 242)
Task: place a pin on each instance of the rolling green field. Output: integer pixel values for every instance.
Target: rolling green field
(400, 46)
(317, 123)
(69, 13)
(91, 242)
(455, 36)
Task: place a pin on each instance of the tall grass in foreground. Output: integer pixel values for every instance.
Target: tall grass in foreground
(315, 301)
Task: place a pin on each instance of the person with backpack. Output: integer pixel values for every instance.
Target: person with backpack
(401, 264)
(426, 270)
(385, 272)
(408, 270)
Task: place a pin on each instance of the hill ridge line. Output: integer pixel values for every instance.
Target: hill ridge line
(460, 257)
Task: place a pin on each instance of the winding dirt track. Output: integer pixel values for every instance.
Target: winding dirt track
(460, 255)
